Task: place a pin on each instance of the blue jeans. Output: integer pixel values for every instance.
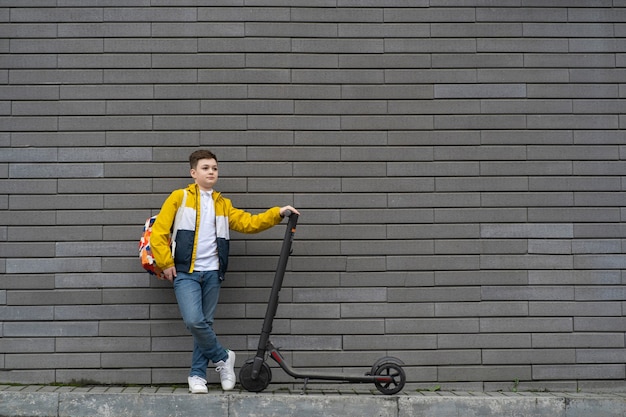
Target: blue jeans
(197, 294)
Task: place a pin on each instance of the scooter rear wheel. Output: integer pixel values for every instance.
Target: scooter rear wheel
(258, 384)
(397, 375)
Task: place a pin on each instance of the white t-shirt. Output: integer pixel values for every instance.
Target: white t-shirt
(206, 252)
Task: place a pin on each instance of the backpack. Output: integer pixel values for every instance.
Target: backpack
(145, 251)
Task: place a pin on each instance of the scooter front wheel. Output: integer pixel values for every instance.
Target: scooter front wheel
(258, 384)
(395, 378)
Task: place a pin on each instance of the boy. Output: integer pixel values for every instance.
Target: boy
(200, 260)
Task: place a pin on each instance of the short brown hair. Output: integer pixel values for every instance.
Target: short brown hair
(200, 154)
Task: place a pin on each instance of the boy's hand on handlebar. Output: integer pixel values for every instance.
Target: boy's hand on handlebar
(284, 209)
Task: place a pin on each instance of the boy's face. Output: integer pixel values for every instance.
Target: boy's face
(205, 174)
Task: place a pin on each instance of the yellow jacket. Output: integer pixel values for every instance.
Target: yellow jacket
(226, 217)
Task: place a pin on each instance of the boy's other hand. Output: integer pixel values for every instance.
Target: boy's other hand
(170, 273)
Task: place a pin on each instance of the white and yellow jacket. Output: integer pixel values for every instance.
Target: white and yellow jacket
(226, 217)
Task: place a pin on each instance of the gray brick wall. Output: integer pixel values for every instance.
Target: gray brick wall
(459, 167)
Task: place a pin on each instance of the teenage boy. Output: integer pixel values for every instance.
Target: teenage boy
(200, 260)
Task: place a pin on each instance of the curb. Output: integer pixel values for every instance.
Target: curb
(105, 402)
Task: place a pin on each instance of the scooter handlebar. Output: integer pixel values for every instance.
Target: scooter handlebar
(288, 213)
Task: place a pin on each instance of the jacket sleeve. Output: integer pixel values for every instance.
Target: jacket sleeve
(244, 222)
(161, 229)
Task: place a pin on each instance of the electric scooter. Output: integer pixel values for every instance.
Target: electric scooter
(255, 374)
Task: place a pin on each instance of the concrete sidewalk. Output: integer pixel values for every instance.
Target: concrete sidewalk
(52, 401)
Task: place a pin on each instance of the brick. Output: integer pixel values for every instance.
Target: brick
(29, 93)
(476, 30)
(578, 371)
(542, 246)
(26, 345)
(154, 107)
(386, 122)
(274, 76)
(480, 215)
(293, 91)
(107, 376)
(347, 14)
(26, 30)
(102, 344)
(480, 90)
(525, 356)
(340, 107)
(186, 122)
(596, 246)
(590, 199)
(100, 280)
(51, 329)
(63, 14)
(64, 108)
(141, 76)
(289, 29)
(580, 277)
(102, 312)
(103, 30)
(354, 310)
(58, 139)
(412, 92)
(105, 123)
(568, 61)
(27, 281)
(481, 184)
(340, 295)
(483, 308)
(523, 45)
(484, 341)
(574, 214)
(432, 325)
(520, 325)
(337, 76)
(255, 45)
(527, 199)
(432, 14)
(478, 61)
(429, 76)
(443, 107)
(16, 297)
(577, 122)
(553, 91)
(21, 313)
(601, 355)
(521, 293)
(526, 230)
(595, 45)
(525, 14)
(150, 14)
(52, 361)
(526, 261)
(409, 342)
(444, 294)
(578, 340)
(526, 106)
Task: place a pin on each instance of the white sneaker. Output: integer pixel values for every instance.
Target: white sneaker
(197, 385)
(227, 371)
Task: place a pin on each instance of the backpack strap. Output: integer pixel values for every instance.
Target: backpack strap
(179, 214)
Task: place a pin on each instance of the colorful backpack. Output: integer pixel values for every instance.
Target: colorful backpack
(145, 252)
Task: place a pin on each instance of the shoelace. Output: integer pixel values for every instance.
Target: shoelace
(223, 371)
(197, 380)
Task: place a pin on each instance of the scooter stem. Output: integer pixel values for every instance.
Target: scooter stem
(272, 305)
